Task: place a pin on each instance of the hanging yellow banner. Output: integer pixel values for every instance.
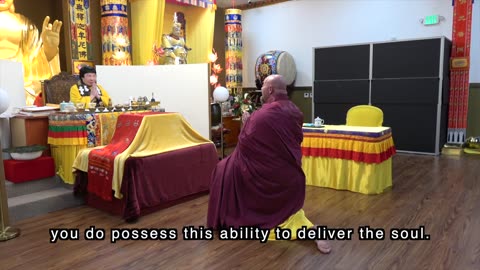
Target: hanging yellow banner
(79, 11)
(81, 22)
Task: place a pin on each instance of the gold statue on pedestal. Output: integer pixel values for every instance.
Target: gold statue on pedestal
(174, 46)
(20, 41)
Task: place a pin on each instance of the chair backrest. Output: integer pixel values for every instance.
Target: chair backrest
(365, 116)
(215, 114)
(57, 89)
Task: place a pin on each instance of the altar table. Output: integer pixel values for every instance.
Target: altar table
(70, 133)
(352, 158)
(152, 160)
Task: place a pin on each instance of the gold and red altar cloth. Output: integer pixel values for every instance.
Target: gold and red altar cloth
(348, 158)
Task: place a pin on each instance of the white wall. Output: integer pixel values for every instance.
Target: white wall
(179, 88)
(298, 26)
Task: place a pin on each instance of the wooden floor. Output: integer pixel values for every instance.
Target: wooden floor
(440, 193)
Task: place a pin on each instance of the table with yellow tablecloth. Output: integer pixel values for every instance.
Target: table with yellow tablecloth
(157, 133)
(153, 160)
(68, 133)
(352, 158)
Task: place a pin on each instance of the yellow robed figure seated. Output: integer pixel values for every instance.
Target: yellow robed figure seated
(174, 46)
(20, 41)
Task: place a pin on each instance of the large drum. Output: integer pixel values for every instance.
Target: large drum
(275, 62)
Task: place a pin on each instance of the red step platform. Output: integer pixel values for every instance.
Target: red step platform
(19, 171)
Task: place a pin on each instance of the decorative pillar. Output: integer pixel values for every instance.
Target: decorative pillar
(116, 47)
(80, 33)
(233, 50)
(459, 71)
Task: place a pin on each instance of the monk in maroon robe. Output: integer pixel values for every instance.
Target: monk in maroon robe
(262, 184)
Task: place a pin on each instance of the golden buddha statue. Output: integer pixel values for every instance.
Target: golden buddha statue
(20, 41)
(174, 46)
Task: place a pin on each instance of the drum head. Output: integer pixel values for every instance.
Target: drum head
(276, 62)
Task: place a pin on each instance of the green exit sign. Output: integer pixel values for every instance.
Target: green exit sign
(431, 20)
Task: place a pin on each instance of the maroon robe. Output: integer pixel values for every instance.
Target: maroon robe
(262, 182)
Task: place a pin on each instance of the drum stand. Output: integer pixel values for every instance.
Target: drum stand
(221, 133)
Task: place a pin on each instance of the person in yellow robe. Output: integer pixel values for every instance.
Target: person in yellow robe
(87, 90)
(20, 41)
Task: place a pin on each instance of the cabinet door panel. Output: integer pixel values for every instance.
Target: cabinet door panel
(413, 126)
(341, 91)
(408, 90)
(403, 59)
(343, 62)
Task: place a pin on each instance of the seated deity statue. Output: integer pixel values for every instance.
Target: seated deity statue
(174, 46)
(20, 41)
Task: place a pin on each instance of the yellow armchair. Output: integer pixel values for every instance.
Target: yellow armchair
(365, 116)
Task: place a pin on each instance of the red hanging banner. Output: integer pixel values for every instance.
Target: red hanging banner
(459, 70)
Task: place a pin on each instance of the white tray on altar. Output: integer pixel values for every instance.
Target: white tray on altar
(39, 109)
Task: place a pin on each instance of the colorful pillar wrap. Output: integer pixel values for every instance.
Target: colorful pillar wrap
(116, 47)
(459, 71)
(233, 49)
(80, 30)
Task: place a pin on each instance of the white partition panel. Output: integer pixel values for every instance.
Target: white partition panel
(179, 88)
(11, 80)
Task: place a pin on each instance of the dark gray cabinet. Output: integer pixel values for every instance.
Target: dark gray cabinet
(408, 80)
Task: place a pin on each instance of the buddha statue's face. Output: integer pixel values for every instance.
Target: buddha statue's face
(5, 4)
(177, 29)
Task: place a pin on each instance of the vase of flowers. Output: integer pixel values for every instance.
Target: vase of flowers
(242, 103)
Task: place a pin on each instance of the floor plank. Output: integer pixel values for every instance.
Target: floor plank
(440, 193)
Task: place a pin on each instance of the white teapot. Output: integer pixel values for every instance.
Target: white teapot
(318, 122)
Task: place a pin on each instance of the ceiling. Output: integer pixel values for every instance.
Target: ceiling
(229, 3)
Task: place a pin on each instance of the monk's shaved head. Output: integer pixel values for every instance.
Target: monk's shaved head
(273, 86)
(277, 82)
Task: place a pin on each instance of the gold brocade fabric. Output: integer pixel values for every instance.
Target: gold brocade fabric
(106, 127)
(158, 133)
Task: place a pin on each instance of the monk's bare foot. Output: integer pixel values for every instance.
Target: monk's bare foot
(323, 246)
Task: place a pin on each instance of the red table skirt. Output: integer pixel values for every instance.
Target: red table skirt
(159, 181)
